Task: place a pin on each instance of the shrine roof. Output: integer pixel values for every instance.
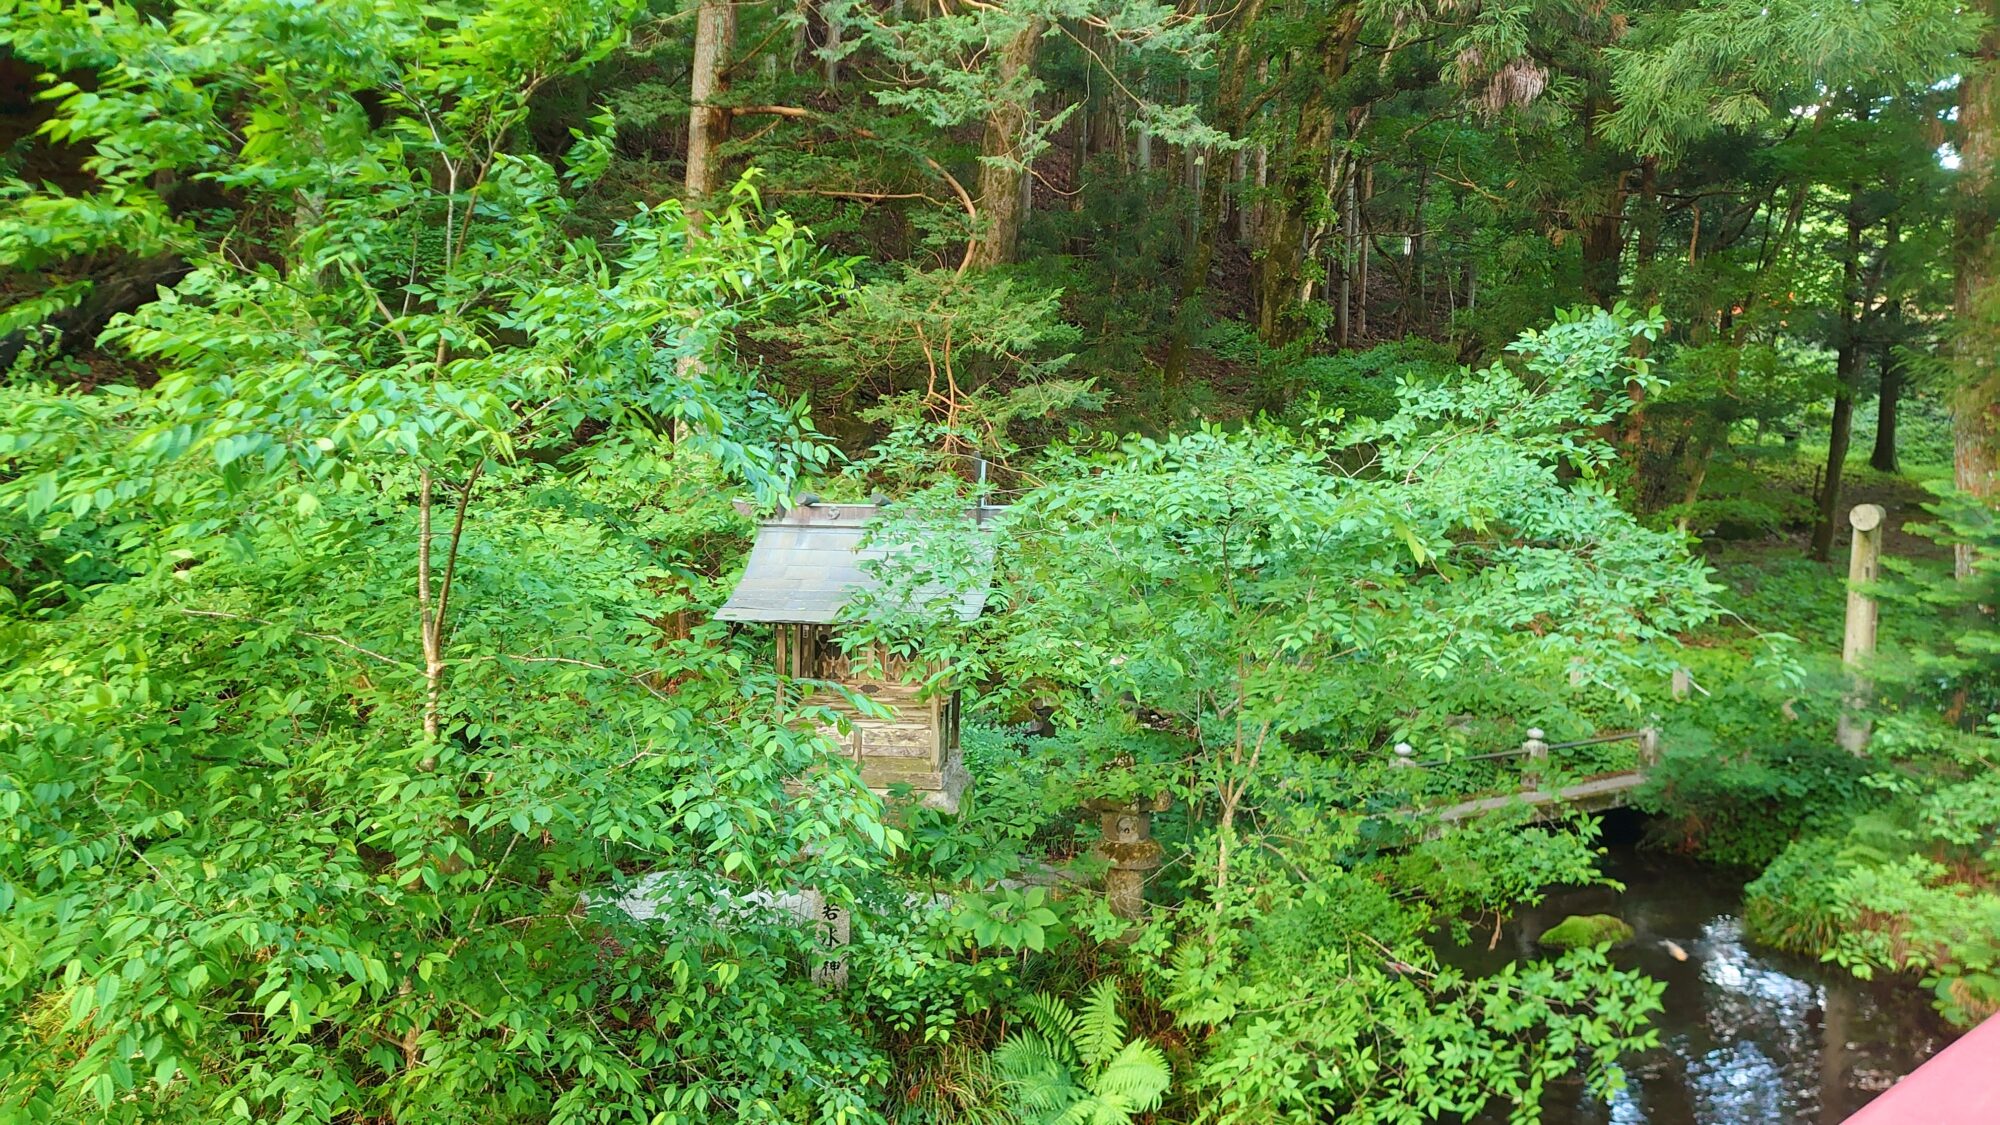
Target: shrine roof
(810, 561)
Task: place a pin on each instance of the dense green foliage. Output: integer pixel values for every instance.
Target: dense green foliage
(1367, 386)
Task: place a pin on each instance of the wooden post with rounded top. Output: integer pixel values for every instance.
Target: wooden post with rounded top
(1864, 566)
(1649, 747)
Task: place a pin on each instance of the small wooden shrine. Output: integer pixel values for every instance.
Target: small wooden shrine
(807, 564)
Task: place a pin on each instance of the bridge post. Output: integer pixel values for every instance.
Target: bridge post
(1403, 759)
(1649, 747)
(1537, 751)
(1864, 565)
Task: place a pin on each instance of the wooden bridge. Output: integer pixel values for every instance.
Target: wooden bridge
(1608, 791)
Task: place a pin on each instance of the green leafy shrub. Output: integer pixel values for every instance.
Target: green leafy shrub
(1922, 893)
(1750, 761)
(1796, 903)
(1908, 886)
(1741, 802)
(329, 775)
(1363, 384)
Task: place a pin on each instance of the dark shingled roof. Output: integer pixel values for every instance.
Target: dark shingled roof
(809, 562)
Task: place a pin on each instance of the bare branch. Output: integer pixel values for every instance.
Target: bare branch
(799, 113)
(637, 678)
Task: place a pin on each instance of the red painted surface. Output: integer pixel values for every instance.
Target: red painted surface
(1960, 1085)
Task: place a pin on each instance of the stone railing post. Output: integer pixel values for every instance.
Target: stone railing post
(1864, 566)
(1404, 757)
(1537, 752)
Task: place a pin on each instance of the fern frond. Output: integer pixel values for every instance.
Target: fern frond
(1022, 1054)
(1099, 1028)
(1033, 1076)
(1038, 1065)
(1053, 1018)
(1090, 1111)
(1137, 1077)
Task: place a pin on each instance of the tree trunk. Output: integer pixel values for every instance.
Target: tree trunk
(1422, 305)
(1343, 316)
(1847, 367)
(1836, 459)
(1263, 181)
(1001, 184)
(1883, 458)
(1648, 222)
(1704, 454)
(1298, 181)
(1602, 245)
(1229, 117)
(1239, 171)
(1081, 120)
(1361, 245)
(1976, 342)
(1603, 227)
(1197, 177)
(433, 608)
(708, 122)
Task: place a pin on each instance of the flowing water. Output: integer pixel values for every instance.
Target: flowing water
(1749, 1035)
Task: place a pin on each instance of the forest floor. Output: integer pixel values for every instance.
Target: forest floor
(1790, 484)
(1773, 580)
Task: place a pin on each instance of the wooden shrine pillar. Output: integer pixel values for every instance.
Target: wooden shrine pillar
(1864, 566)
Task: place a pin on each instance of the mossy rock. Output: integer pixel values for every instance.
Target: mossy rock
(1581, 931)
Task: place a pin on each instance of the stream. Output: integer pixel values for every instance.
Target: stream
(1749, 1034)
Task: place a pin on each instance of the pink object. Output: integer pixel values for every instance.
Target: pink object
(1960, 1085)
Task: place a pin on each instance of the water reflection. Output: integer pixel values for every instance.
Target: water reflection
(1748, 1035)
(1739, 1082)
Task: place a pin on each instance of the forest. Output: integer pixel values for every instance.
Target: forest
(1340, 485)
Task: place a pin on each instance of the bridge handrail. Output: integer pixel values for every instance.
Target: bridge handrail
(1534, 747)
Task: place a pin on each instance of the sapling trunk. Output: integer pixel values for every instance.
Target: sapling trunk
(433, 612)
